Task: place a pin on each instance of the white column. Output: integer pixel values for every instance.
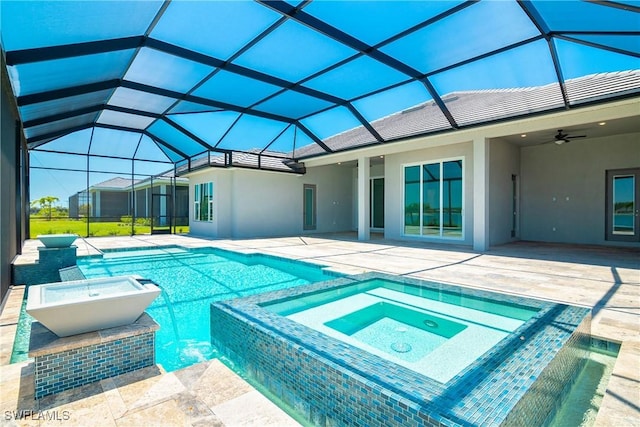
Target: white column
(480, 194)
(363, 198)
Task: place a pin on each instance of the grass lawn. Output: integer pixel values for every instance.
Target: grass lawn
(96, 229)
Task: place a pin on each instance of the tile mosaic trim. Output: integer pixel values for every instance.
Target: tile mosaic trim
(332, 383)
(76, 367)
(257, 257)
(139, 248)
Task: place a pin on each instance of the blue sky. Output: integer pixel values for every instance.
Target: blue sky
(292, 52)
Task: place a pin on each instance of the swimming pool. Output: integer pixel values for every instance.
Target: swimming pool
(518, 381)
(190, 280)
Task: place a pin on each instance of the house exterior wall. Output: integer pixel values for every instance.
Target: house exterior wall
(250, 203)
(9, 162)
(491, 156)
(394, 188)
(272, 208)
(222, 206)
(73, 206)
(142, 208)
(113, 205)
(563, 188)
(504, 162)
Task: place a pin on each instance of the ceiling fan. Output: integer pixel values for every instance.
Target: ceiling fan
(561, 137)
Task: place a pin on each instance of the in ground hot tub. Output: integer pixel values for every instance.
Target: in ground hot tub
(57, 240)
(75, 307)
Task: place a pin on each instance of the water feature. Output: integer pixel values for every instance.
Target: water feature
(167, 301)
(190, 280)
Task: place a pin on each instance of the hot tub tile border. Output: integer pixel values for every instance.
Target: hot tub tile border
(403, 392)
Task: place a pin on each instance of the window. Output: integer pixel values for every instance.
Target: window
(623, 213)
(309, 207)
(433, 199)
(203, 202)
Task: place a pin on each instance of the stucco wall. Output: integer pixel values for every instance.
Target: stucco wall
(504, 162)
(563, 187)
(394, 188)
(271, 203)
(252, 203)
(222, 207)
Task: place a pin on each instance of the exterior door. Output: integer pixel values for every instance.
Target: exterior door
(309, 207)
(514, 205)
(623, 212)
(161, 213)
(376, 199)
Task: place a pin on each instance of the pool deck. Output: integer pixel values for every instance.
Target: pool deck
(603, 278)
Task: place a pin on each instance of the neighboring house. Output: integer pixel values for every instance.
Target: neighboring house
(478, 186)
(110, 200)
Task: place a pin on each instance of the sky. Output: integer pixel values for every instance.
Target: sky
(292, 52)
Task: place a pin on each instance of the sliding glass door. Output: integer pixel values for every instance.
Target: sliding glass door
(433, 195)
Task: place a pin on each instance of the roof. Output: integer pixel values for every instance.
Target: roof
(311, 78)
(124, 184)
(116, 183)
(483, 106)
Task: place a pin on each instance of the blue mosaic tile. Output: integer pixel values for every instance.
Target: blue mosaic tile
(514, 383)
(73, 368)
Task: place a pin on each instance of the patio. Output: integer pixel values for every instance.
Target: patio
(606, 279)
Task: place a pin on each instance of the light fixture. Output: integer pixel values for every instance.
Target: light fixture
(339, 163)
(602, 123)
(524, 135)
(382, 157)
(559, 141)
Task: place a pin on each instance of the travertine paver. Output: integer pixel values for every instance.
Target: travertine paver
(606, 279)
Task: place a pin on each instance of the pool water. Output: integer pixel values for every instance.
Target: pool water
(580, 406)
(190, 280)
(396, 330)
(68, 291)
(419, 328)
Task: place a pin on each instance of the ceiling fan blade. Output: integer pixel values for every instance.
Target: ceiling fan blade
(575, 136)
